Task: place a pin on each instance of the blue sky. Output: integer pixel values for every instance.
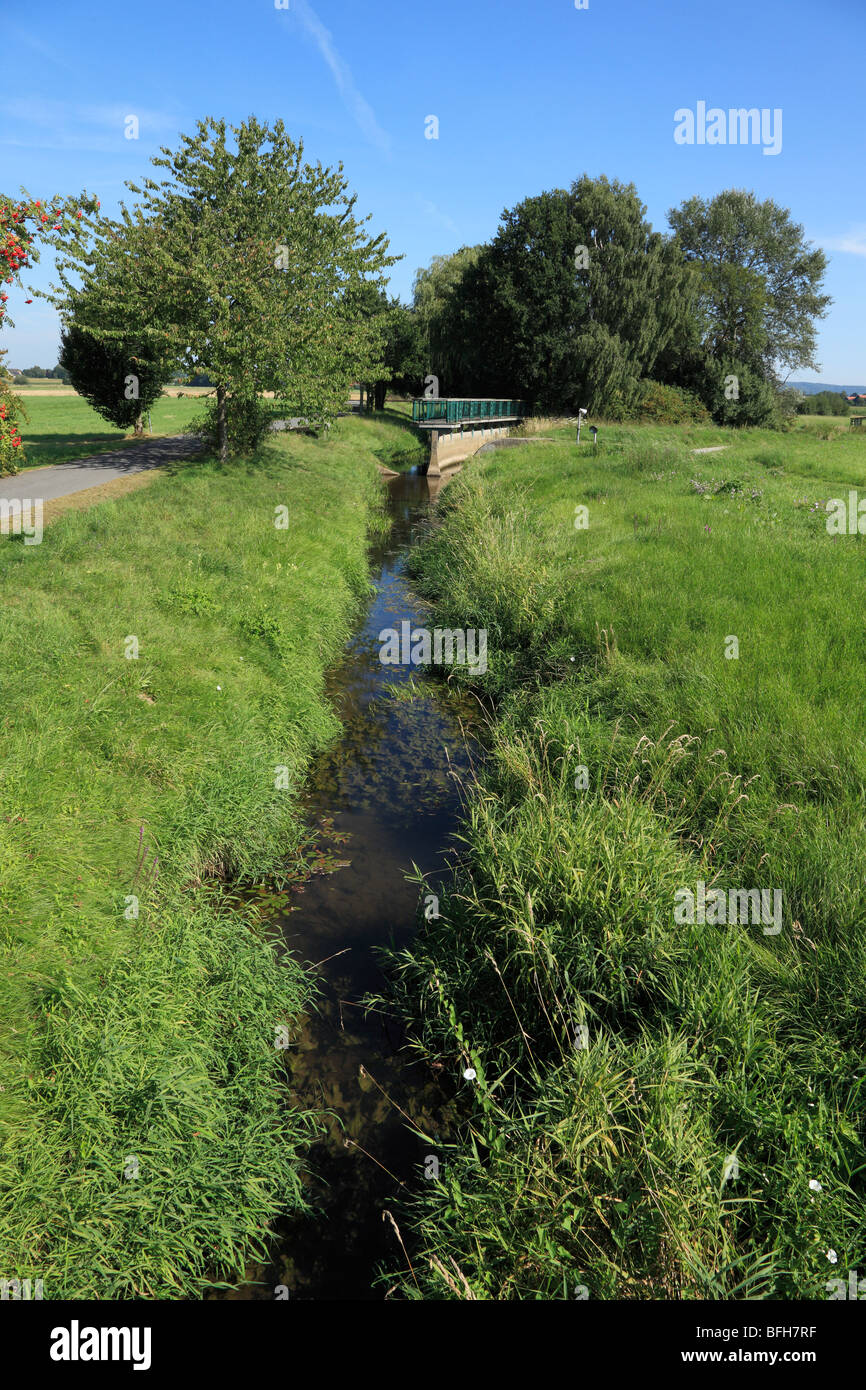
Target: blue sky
(529, 94)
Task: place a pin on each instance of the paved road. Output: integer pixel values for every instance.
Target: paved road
(61, 479)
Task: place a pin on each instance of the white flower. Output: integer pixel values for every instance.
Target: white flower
(815, 1185)
(470, 1074)
(219, 687)
(832, 1256)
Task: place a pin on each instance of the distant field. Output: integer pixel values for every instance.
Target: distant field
(61, 425)
(51, 387)
(839, 422)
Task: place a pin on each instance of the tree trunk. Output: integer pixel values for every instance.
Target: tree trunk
(222, 430)
(379, 392)
(139, 425)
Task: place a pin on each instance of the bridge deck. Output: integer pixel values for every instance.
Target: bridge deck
(479, 422)
(444, 412)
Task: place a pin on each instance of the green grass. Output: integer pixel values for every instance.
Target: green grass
(58, 428)
(152, 1041)
(602, 1167)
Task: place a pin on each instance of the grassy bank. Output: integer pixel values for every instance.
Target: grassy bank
(142, 1139)
(661, 1109)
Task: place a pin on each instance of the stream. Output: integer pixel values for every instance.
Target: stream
(384, 797)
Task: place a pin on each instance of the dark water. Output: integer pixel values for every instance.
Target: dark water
(390, 786)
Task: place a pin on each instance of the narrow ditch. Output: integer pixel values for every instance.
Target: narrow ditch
(383, 798)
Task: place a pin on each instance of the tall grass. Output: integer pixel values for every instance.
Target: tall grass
(600, 1162)
(145, 1143)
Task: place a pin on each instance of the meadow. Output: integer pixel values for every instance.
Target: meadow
(163, 659)
(59, 426)
(659, 1110)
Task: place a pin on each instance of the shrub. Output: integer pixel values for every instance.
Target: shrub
(107, 373)
(248, 419)
(11, 448)
(670, 405)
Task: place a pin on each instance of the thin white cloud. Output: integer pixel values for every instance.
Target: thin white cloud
(43, 49)
(435, 214)
(358, 107)
(60, 125)
(853, 242)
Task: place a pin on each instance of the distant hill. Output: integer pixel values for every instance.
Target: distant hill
(811, 388)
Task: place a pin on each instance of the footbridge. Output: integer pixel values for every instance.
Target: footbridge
(459, 426)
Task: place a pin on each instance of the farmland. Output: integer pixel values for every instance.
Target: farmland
(61, 425)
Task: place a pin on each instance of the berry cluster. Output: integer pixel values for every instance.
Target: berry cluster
(21, 223)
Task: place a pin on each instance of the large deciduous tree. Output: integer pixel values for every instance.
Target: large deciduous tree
(759, 295)
(238, 264)
(436, 304)
(569, 306)
(402, 358)
(406, 359)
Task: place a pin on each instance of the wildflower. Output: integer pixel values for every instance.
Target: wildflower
(815, 1186)
(470, 1074)
(832, 1257)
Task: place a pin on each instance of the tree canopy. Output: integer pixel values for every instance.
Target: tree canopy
(568, 306)
(113, 375)
(759, 281)
(239, 263)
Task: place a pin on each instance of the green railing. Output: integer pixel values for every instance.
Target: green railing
(454, 410)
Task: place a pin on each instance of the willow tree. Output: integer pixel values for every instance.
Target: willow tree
(236, 263)
(571, 303)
